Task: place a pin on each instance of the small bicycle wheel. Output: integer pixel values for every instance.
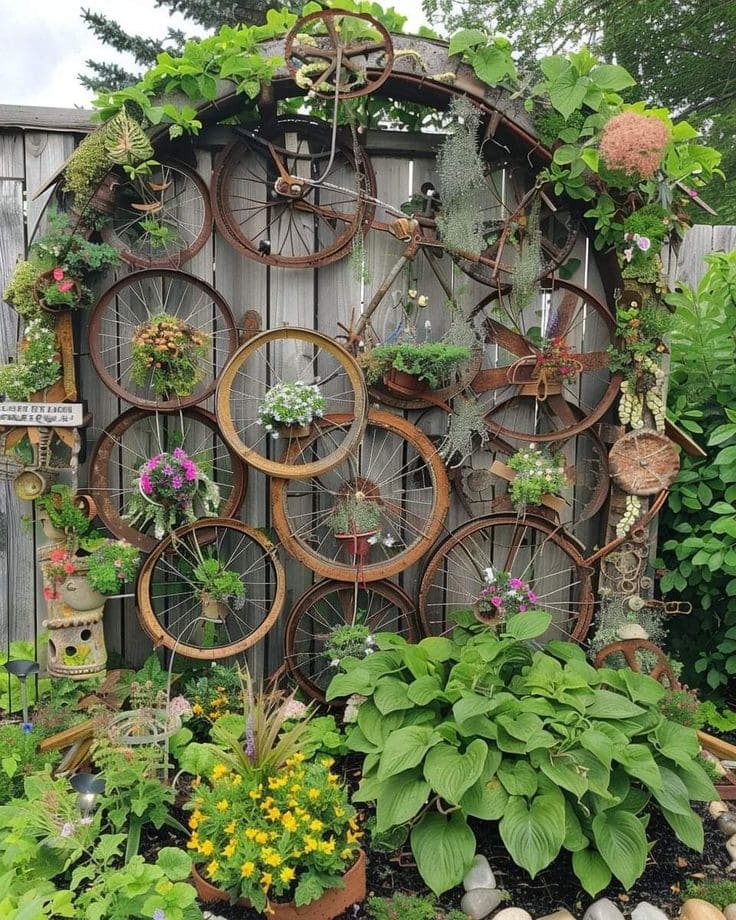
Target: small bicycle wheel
(529, 548)
(160, 220)
(280, 357)
(136, 436)
(320, 616)
(137, 305)
(176, 611)
(284, 196)
(397, 469)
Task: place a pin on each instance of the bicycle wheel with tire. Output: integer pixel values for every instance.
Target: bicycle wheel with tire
(172, 609)
(319, 621)
(531, 549)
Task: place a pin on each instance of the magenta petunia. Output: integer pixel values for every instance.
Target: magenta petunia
(177, 482)
(496, 600)
(146, 484)
(532, 597)
(516, 583)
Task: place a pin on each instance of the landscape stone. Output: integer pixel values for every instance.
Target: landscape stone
(562, 914)
(727, 824)
(731, 847)
(647, 911)
(730, 912)
(718, 808)
(513, 913)
(480, 874)
(632, 631)
(603, 909)
(697, 909)
(479, 902)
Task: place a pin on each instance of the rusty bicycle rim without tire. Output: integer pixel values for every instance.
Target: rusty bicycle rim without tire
(428, 474)
(235, 179)
(162, 633)
(103, 462)
(181, 186)
(397, 609)
(467, 559)
(215, 311)
(353, 423)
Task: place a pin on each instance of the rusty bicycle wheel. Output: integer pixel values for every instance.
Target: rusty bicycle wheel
(278, 358)
(528, 548)
(160, 220)
(137, 435)
(397, 468)
(327, 606)
(283, 196)
(172, 609)
(128, 307)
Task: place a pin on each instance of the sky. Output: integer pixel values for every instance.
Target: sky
(45, 44)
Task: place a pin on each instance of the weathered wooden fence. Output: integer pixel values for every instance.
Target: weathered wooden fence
(33, 145)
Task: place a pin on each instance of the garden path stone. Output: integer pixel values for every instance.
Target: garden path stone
(603, 909)
(727, 824)
(562, 914)
(513, 913)
(717, 809)
(647, 911)
(479, 902)
(697, 909)
(731, 848)
(730, 912)
(480, 874)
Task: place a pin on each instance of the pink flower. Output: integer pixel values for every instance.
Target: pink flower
(117, 563)
(65, 286)
(497, 601)
(179, 706)
(179, 454)
(190, 471)
(531, 597)
(293, 709)
(58, 274)
(69, 568)
(522, 608)
(634, 143)
(146, 484)
(516, 583)
(628, 254)
(177, 482)
(643, 243)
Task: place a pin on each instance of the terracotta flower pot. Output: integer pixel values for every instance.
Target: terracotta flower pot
(41, 283)
(404, 384)
(356, 543)
(488, 618)
(212, 608)
(295, 431)
(332, 903)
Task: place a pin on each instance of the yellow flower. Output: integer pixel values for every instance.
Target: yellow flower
(193, 842)
(346, 853)
(314, 794)
(267, 803)
(230, 828)
(295, 788)
(339, 812)
(327, 761)
(354, 837)
(292, 803)
(332, 778)
(272, 835)
(197, 710)
(289, 822)
(207, 848)
(316, 825)
(286, 874)
(193, 822)
(273, 814)
(266, 880)
(297, 854)
(237, 779)
(353, 824)
(327, 846)
(261, 838)
(251, 833)
(254, 794)
(212, 868)
(247, 869)
(310, 844)
(270, 857)
(218, 771)
(229, 850)
(222, 805)
(196, 781)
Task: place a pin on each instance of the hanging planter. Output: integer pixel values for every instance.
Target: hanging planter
(403, 383)
(289, 409)
(412, 368)
(355, 522)
(357, 544)
(333, 902)
(55, 291)
(535, 478)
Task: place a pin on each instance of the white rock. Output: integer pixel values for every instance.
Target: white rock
(479, 902)
(697, 909)
(730, 912)
(603, 909)
(562, 914)
(731, 847)
(513, 913)
(632, 631)
(647, 911)
(480, 874)
(727, 824)
(716, 809)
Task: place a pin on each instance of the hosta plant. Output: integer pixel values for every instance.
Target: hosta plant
(563, 756)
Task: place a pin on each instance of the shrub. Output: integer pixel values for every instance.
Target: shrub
(721, 893)
(563, 756)
(19, 289)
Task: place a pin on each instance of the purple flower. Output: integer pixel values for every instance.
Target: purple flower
(168, 470)
(496, 600)
(179, 454)
(643, 243)
(250, 738)
(532, 597)
(190, 471)
(27, 728)
(177, 482)
(158, 914)
(516, 583)
(67, 830)
(146, 485)
(522, 608)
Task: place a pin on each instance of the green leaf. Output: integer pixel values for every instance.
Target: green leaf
(10, 766)
(309, 889)
(518, 777)
(608, 705)
(438, 648)
(471, 705)
(530, 625)
(591, 869)
(567, 92)
(611, 77)
(673, 795)
(375, 726)
(688, 828)
(534, 834)
(406, 748)
(356, 681)
(620, 838)
(391, 695)
(175, 863)
(642, 688)
(424, 689)
(563, 770)
(443, 847)
(638, 761)
(486, 799)
(400, 799)
(464, 39)
(598, 744)
(491, 64)
(451, 773)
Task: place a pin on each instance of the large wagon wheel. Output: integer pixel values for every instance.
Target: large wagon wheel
(269, 200)
(137, 435)
(329, 51)
(326, 606)
(398, 468)
(160, 220)
(504, 214)
(531, 549)
(631, 650)
(287, 355)
(171, 610)
(123, 312)
(570, 319)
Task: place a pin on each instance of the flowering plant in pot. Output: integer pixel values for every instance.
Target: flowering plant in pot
(166, 356)
(219, 588)
(37, 365)
(539, 477)
(290, 408)
(556, 362)
(354, 521)
(65, 516)
(349, 639)
(501, 597)
(83, 582)
(171, 490)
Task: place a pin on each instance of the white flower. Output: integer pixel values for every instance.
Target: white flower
(335, 663)
(489, 575)
(389, 540)
(369, 651)
(373, 540)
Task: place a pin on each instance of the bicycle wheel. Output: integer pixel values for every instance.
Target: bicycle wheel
(530, 549)
(160, 220)
(279, 358)
(143, 305)
(397, 468)
(311, 636)
(171, 607)
(285, 197)
(136, 436)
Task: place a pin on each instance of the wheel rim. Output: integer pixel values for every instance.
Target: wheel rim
(137, 435)
(312, 228)
(529, 548)
(131, 303)
(384, 606)
(398, 467)
(169, 609)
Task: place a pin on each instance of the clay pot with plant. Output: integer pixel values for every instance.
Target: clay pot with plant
(220, 589)
(354, 521)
